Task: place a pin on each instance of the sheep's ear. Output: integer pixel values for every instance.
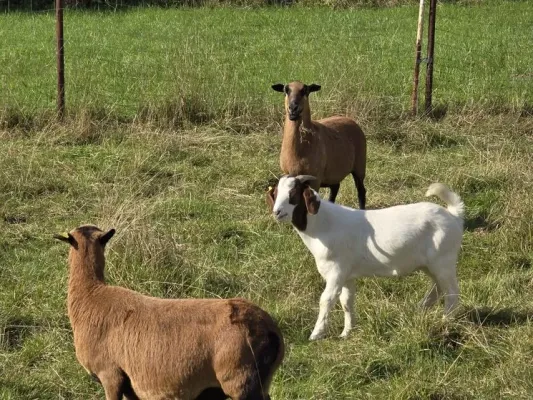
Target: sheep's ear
(313, 88)
(271, 197)
(279, 87)
(106, 236)
(68, 238)
(311, 202)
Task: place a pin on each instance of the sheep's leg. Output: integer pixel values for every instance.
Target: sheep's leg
(327, 301)
(212, 394)
(346, 298)
(333, 190)
(245, 385)
(112, 382)
(361, 191)
(252, 395)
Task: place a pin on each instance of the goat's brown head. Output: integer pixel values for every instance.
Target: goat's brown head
(296, 97)
(86, 234)
(292, 200)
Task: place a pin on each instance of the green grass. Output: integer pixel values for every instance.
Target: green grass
(205, 64)
(160, 144)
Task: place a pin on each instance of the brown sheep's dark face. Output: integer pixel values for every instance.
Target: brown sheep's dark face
(296, 97)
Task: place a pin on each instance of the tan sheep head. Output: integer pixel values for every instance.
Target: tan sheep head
(296, 98)
(83, 233)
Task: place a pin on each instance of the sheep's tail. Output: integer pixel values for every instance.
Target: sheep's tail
(456, 206)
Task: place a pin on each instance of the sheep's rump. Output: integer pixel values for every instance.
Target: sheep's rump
(164, 344)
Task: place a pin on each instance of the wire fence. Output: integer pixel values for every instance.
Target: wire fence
(129, 63)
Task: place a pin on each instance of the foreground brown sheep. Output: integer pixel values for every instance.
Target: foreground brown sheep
(144, 347)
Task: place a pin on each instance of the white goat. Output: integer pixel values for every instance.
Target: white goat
(395, 241)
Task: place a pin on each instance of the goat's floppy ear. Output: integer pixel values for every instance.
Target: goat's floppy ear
(305, 178)
(313, 88)
(106, 236)
(68, 238)
(271, 197)
(279, 87)
(311, 202)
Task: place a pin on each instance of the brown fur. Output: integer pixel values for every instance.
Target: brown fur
(329, 149)
(150, 348)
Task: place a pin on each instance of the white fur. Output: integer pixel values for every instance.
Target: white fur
(396, 241)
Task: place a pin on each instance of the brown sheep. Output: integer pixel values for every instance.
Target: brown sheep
(329, 149)
(144, 347)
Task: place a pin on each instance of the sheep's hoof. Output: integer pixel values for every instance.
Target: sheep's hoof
(317, 336)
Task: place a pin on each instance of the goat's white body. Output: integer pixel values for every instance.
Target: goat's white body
(391, 242)
(348, 243)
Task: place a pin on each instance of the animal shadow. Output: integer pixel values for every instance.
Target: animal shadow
(479, 223)
(505, 317)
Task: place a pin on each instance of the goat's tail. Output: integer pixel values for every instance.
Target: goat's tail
(456, 206)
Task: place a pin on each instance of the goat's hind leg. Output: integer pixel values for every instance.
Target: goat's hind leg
(445, 276)
(451, 295)
(431, 297)
(346, 299)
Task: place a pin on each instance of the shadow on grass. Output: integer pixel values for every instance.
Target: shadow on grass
(480, 222)
(15, 331)
(505, 317)
(438, 112)
(15, 219)
(445, 394)
(445, 339)
(380, 370)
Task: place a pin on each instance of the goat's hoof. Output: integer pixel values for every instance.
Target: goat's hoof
(344, 334)
(317, 336)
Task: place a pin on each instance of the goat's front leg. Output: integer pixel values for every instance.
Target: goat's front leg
(327, 301)
(346, 298)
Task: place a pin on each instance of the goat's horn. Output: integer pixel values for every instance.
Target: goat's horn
(305, 178)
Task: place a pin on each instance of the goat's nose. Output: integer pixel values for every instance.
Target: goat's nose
(276, 212)
(293, 107)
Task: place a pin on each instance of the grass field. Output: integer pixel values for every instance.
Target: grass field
(172, 137)
(206, 64)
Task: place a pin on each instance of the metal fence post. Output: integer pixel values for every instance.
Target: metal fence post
(418, 51)
(60, 60)
(430, 57)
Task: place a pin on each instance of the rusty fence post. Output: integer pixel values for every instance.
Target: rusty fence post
(430, 54)
(60, 60)
(418, 51)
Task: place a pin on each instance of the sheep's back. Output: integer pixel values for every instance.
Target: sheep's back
(345, 146)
